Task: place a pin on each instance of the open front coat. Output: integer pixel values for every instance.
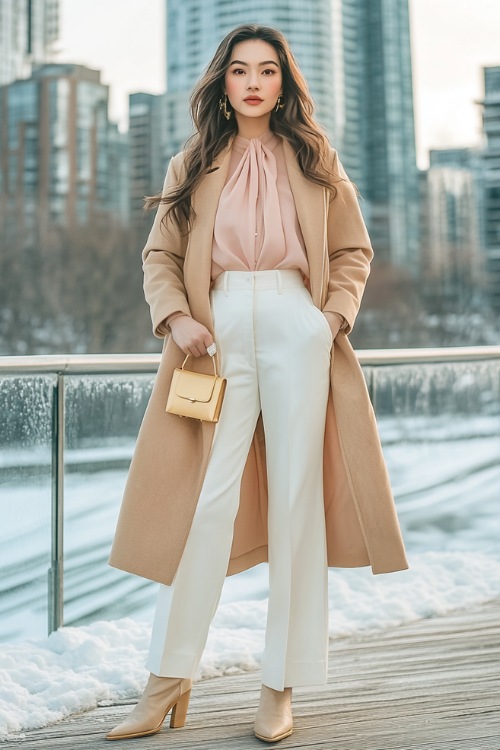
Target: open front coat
(171, 454)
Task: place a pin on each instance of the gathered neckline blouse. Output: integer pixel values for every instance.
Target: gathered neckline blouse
(256, 225)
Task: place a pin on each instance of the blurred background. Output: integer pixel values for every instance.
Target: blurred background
(94, 101)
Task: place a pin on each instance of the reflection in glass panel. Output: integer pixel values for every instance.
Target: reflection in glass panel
(440, 431)
(103, 416)
(440, 428)
(25, 504)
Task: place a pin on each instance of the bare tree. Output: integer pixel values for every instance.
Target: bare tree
(79, 291)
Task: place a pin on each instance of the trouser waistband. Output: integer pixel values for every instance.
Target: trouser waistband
(269, 279)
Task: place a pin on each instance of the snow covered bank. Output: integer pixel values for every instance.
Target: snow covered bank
(44, 680)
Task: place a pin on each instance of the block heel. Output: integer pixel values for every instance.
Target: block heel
(179, 711)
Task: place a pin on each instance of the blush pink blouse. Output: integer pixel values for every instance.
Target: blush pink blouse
(256, 226)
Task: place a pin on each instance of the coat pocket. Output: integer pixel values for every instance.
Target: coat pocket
(325, 322)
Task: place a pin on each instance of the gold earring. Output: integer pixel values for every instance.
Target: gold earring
(223, 106)
(280, 103)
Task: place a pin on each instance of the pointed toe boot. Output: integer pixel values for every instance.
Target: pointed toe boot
(274, 720)
(160, 695)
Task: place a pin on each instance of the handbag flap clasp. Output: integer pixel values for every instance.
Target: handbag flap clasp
(195, 386)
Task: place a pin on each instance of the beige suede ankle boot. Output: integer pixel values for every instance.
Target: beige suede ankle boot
(160, 695)
(274, 720)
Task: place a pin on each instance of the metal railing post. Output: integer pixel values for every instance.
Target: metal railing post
(56, 571)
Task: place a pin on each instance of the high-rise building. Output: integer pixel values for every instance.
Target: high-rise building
(147, 115)
(452, 257)
(355, 55)
(349, 30)
(491, 156)
(117, 158)
(195, 28)
(63, 163)
(28, 30)
(470, 159)
(374, 120)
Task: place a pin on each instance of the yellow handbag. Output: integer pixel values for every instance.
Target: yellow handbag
(196, 395)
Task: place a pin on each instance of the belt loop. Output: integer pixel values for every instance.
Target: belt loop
(279, 281)
(225, 283)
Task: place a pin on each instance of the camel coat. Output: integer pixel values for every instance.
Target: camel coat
(171, 454)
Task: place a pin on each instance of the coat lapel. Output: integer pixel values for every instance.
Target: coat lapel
(311, 212)
(198, 262)
(310, 205)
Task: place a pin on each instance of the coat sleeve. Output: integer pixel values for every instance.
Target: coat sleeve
(163, 262)
(349, 250)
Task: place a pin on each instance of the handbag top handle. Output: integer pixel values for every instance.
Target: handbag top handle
(213, 362)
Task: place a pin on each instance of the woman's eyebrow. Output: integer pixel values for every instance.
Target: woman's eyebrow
(266, 62)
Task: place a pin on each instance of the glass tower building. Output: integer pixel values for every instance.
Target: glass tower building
(356, 57)
(147, 169)
(452, 255)
(195, 28)
(28, 30)
(63, 163)
(491, 161)
(374, 120)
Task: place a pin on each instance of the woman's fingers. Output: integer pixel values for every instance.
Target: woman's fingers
(192, 337)
(197, 351)
(208, 340)
(200, 347)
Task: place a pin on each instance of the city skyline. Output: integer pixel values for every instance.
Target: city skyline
(446, 84)
(194, 31)
(68, 172)
(355, 56)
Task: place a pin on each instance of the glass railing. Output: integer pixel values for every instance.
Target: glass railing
(68, 426)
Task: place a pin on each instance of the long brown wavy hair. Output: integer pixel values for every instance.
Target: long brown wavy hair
(212, 131)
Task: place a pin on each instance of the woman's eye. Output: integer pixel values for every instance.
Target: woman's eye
(238, 70)
(270, 70)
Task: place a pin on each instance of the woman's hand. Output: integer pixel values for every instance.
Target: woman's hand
(334, 321)
(192, 337)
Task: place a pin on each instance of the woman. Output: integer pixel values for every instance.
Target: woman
(258, 247)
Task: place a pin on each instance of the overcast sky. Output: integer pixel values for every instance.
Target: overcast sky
(451, 41)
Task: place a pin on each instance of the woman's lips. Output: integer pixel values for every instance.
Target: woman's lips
(253, 100)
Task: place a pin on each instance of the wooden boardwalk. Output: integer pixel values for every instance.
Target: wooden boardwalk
(432, 685)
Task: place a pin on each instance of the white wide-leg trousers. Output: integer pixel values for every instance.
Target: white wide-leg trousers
(274, 349)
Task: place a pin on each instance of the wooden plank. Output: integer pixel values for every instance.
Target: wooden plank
(430, 685)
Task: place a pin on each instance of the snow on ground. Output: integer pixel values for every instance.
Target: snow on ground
(43, 680)
(445, 472)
